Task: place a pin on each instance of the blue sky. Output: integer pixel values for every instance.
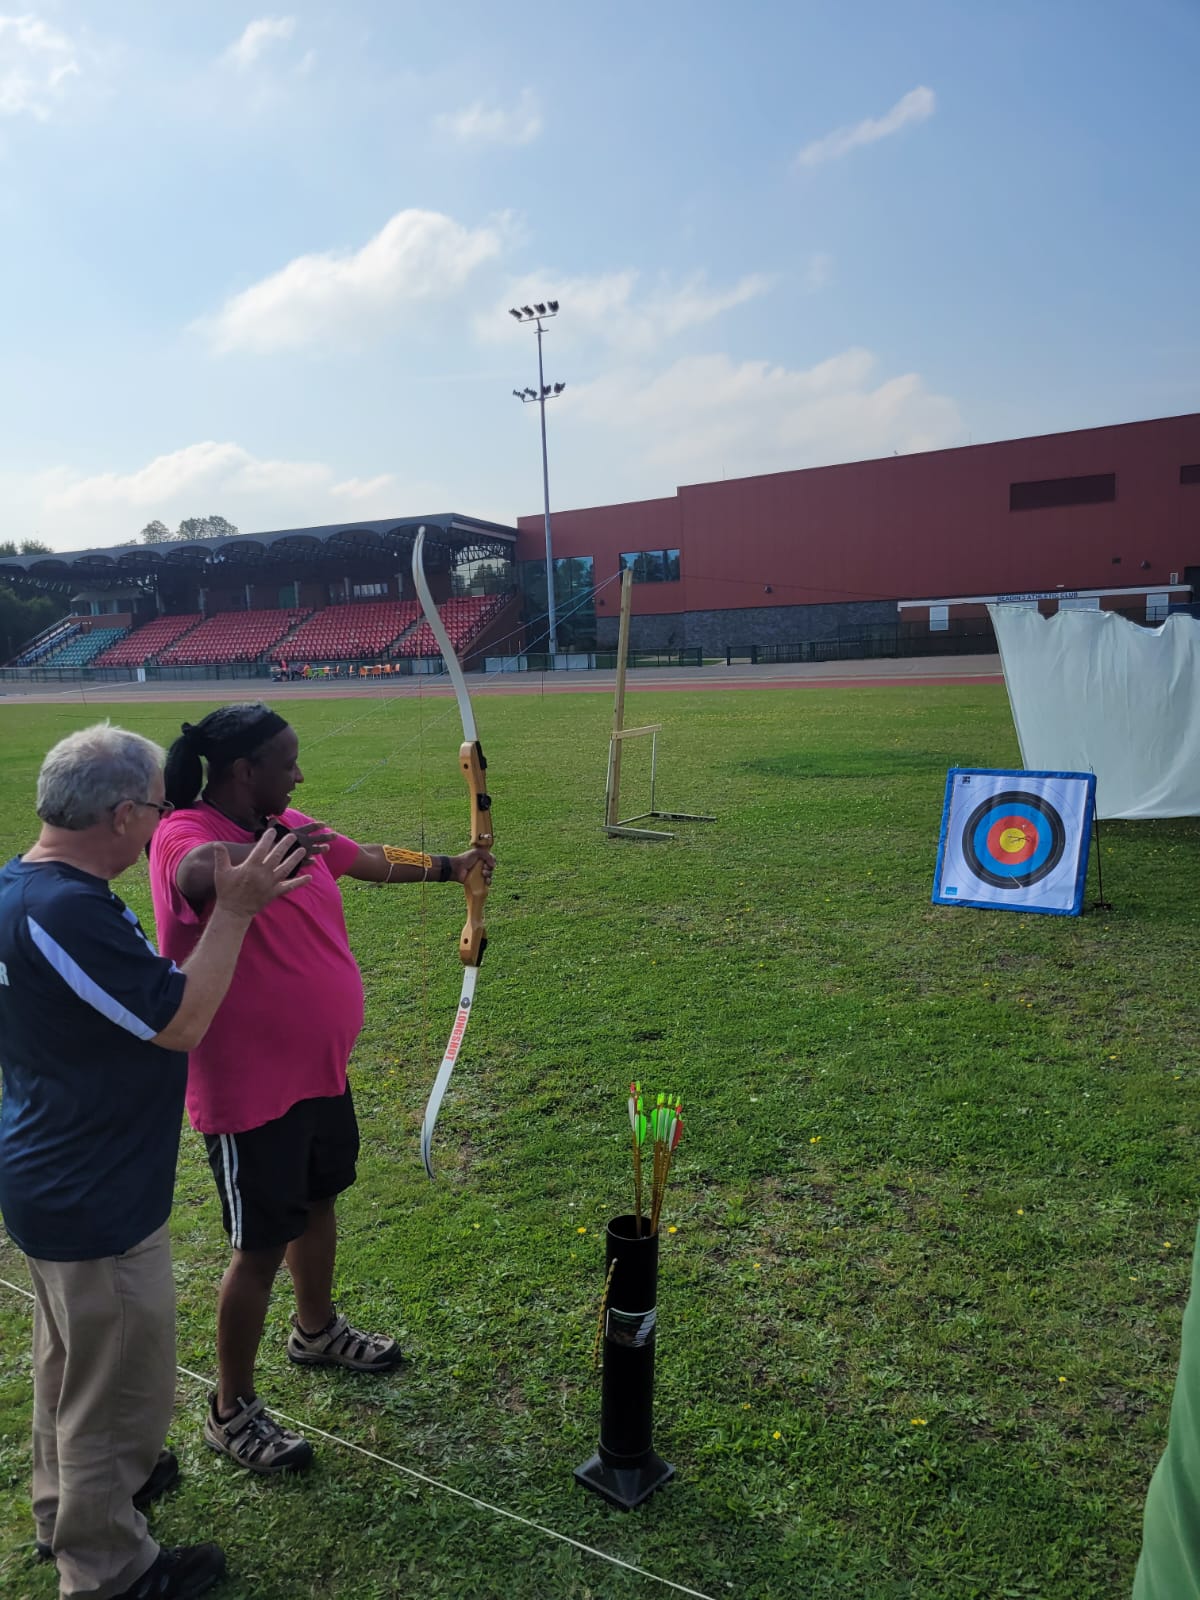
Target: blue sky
(257, 263)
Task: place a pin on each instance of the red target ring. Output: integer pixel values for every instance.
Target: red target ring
(1011, 839)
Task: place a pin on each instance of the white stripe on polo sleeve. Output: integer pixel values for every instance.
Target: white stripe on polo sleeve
(88, 990)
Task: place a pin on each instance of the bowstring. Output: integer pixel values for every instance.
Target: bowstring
(423, 1052)
(452, 709)
(383, 698)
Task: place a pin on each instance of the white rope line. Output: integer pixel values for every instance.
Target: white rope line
(436, 1483)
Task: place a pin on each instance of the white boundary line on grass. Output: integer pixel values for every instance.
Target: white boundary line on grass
(436, 1483)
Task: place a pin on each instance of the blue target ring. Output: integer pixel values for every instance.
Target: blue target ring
(1043, 826)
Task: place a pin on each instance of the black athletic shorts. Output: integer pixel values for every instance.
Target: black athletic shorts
(268, 1177)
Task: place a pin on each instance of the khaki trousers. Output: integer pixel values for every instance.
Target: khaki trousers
(103, 1394)
(1169, 1566)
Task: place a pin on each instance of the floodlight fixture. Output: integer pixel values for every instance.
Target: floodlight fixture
(545, 391)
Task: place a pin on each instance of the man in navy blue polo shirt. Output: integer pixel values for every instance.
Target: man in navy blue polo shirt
(94, 1031)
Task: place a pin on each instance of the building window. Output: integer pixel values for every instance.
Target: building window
(652, 566)
(574, 602)
(487, 575)
(369, 591)
(1190, 474)
(1049, 492)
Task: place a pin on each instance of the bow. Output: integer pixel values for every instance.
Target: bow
(473, 765)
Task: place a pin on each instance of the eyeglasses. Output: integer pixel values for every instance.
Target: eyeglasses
(163, 807)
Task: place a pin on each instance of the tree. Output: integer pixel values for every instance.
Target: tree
(190, 528)
(206, 528)
(20, 619)
(26, 547)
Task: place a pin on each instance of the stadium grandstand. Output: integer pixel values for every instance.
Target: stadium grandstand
(149, 641)
(350, 633)
(337, 597)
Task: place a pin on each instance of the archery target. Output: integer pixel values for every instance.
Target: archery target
(1015, 841)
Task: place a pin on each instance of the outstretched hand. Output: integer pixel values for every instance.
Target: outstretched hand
(313, 837)
(262, 877)
(462, 866)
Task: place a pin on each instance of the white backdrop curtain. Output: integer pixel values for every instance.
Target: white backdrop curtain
(1092, 692)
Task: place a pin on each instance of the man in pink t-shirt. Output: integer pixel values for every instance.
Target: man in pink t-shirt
(267, 1086)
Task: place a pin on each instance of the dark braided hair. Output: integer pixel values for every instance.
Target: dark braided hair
(221, 738)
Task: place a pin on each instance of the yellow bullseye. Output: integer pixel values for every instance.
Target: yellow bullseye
(1012, 840)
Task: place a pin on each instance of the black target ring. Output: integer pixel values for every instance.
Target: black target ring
(1052, 838)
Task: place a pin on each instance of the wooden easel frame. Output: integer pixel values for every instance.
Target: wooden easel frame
(615, 826)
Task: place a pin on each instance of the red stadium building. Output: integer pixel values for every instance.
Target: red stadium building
(906, 544)
(879, 557)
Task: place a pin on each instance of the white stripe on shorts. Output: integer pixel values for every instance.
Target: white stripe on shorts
(230, 1192)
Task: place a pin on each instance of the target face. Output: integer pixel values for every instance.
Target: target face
(1015, 840)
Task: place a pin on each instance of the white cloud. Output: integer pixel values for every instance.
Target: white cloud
(611, 308)
(341, 297)
(73, 512)
(483, 124)
(258, 36)
(182, 475)
(36, 61)
(917, 105)
(706, 414)
(359, 489)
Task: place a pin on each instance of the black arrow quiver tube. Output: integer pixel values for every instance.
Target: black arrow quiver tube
(625, 1468)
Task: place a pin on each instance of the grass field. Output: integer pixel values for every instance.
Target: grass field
(935, 1205)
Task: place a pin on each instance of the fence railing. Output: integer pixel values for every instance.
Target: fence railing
(877, 645)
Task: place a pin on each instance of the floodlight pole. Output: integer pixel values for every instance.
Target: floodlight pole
(536, 316)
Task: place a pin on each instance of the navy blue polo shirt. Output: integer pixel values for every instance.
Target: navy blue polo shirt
(91, 1110)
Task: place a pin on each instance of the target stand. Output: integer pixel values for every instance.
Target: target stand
(615, 826)
(623, 828)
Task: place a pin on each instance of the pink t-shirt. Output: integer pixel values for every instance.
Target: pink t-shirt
(285, 1030)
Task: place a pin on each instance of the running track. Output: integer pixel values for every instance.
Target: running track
(909, 673)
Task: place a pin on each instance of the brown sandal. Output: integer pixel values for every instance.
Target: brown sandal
(340, 1345)
(255, 1440)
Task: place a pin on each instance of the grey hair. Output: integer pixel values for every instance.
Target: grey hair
(90, 772)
